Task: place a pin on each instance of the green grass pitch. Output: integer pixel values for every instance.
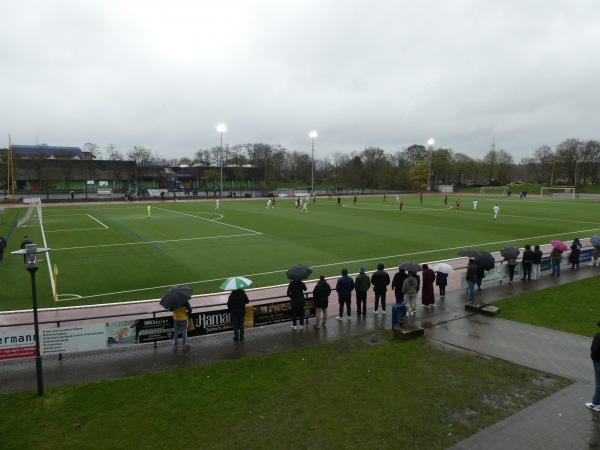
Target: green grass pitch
(108, 253)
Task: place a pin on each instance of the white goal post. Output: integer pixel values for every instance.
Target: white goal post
(34, 209)
(493, 190)
(558, 192)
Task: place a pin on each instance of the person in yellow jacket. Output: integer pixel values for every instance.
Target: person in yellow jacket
(180, 323)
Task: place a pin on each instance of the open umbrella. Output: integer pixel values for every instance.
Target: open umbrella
(487, 263)
(410, 266)
(469, 253)
(484, 254)
(595, 241)
(298, 272)
(444, 268)
(176, 296)
(233, 283)
(510, 252)
(559, 245)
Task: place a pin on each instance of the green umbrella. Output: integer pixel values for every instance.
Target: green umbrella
(233, 283)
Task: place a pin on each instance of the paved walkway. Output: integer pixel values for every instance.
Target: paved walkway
(558, 422)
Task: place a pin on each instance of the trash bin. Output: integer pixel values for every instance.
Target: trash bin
(398, 314)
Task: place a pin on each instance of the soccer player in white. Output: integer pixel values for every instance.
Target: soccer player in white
(217, 201)
(474, 205)
(305, 207)
(398, 199)
(269, 204)
(496, 211)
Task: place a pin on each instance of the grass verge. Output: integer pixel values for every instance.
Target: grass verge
(366, 392)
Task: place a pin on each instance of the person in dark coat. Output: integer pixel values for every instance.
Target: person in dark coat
(397, 283)
(380, 281)
(511, 264)
(295, 292)
(575, 252)
(362, 284)
(536, 262)
(527, 262)
(471, 279)
(344, 288)
(428, 296)
(2, 247)
(236, 304)
(595, 355)
(321, 294)
(441, 280)
(480, 277)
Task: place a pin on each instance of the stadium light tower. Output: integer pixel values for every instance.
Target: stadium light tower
(221, 128)
(31, 264)
(312, 135)
(430, 142)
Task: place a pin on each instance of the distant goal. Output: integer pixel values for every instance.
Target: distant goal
(557, 192)
(493, 190)
(33, 214)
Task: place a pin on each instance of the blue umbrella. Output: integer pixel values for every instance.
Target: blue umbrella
(595, 240)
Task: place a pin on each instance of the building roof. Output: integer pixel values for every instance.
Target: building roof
(46, 150)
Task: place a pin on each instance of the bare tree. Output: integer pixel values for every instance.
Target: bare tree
(113, 154)
(92, 149)
(568, 154)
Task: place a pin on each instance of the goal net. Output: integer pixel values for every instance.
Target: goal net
(493, 190)
(33, 214)
(558, 192)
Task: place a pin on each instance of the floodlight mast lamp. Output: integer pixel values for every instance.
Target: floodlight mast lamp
(312, 135)
(30, 253)
(221, 128)
(430, 142)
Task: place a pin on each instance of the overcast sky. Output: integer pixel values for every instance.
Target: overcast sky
(361, 73)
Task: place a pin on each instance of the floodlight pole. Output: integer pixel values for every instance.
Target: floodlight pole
(312, 135)
(221, 128)
(430, 142)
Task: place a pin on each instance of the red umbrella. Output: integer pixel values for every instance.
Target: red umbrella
(559, 245)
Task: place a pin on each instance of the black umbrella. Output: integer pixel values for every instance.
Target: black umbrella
(510, 252)
(299, 272)
(410, 266)
(595, 241)
(469, 253)
(176, 296)
(486, 263)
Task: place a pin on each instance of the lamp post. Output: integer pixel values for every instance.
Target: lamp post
(312, 135)
(221, 128)
(430, 142)
(31, 251)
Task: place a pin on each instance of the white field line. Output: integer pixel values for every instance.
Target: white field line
(103, 226)
(340, 264)
(210, 220)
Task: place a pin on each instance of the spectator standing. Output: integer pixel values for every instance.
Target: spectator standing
(428, 295)
(595, 355)
(295, 292)
(480, 277)
(362, 284)
(536, 261)
(575, 252)
(441, 280)
(511, 263)
(180, 324)
(380, 281)
(409, 290)
(26, 241)
(471, 278)
(555, 260)
(397, 283)
(321, 294)
(236, 304)
(344, 288)
(527, 262)
(596, 257)
(2, 247)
